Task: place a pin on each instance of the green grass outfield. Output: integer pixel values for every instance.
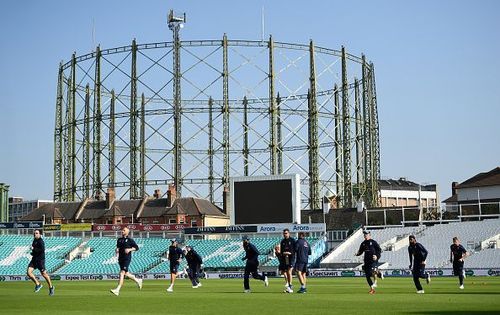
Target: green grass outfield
(325, 296)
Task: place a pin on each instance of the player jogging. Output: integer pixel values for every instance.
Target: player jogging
(38, 262)
(252, 264)
(372, 251)
(457, 256)
(418, 254)
(124, 248)
(175, 256)
(194, 262)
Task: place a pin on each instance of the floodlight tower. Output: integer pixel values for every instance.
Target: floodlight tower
(175, 24)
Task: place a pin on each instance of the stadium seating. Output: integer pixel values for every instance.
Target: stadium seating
(485, 258)
(15, 252)
(436, 239)
(102, 259)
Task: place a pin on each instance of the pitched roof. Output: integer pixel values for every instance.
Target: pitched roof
(491, 178)
(128, 207)
(451, 199)
(177, 208)
(93, 210)
(154, 208)
(195, 206)
(62, 210)
(403, 184)
(188, 206)
(114, 211)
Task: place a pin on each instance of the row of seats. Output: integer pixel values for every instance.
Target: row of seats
(15, 252)
(436, 239)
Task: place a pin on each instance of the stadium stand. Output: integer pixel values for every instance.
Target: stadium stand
(483, 258)
(475, 236)
(72, 255)
(102, 257)
(15, 252)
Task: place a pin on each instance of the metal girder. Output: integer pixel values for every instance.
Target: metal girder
(279, 134)
(177, 112)
(225, 110)
(314, 197)
(375, 134)
(273, 143)
(133, 124)
(210, 150)
(71, 190)
(245, 137)
(366, 132)
(346, 136)
(142, 156)
(97, 146)
(338, 144)
(58, 139)
(111, 146)
(359, 138)
(86, 145)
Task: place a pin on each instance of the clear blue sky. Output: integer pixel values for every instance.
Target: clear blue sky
(437, 66)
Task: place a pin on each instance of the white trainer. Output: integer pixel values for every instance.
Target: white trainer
(170, 289)
(461, 287)
(420, 292)
(266, 281)
(115, 291)
(199, 284)
(246, 291)
(139, 284)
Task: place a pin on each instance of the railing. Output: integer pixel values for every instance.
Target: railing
(408, 216)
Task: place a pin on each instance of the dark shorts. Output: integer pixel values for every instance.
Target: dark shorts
(302, 267)
(282, 267)
(174, 266)
(369, 268)
(288, 262)
(251, 267)
(124, 264)
(458, 268)
(37, 264)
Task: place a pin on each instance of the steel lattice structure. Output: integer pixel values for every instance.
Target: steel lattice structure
(246, 108)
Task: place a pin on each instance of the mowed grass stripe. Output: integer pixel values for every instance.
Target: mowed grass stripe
(325, 296)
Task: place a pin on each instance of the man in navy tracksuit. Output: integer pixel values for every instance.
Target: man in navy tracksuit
(194, 262)
(175, 256)
(457, 256)
(372, 251)
(124, 248)
(418, 254)
(38, 262)
(252, 258)
(302, 252)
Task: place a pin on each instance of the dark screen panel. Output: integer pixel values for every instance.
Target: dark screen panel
(260, 202)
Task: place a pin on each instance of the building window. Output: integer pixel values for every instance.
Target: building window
(172, 221)
(194, 223)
